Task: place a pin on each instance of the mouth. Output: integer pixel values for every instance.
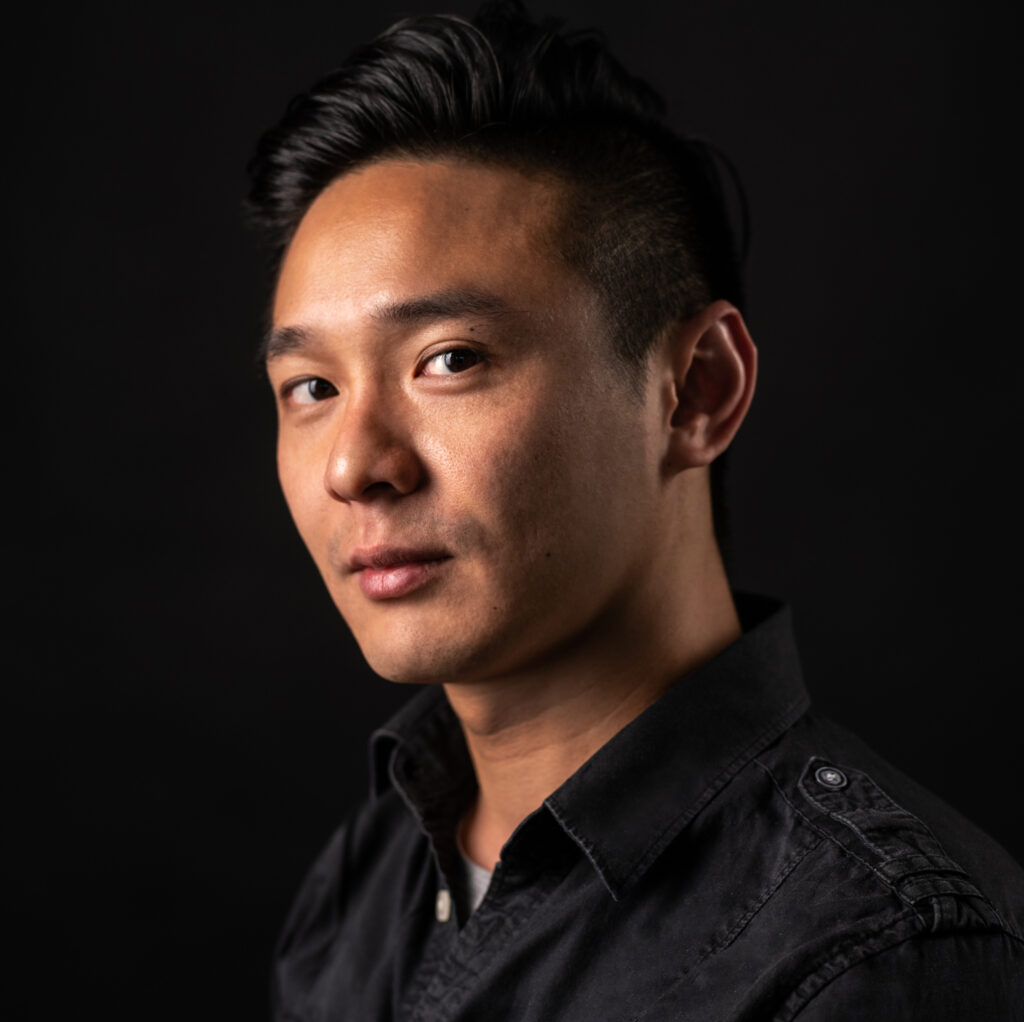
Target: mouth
(387, 573)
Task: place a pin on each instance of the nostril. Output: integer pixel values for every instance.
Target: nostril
(370, 466)
(379, 489)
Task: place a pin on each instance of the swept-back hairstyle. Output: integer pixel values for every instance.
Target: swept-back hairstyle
(644, 219)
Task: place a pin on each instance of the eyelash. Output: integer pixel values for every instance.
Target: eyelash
(476, 355)
(289, 391)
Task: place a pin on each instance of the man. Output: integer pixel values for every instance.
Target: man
(507, 350)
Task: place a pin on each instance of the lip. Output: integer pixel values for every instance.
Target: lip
(387, 573)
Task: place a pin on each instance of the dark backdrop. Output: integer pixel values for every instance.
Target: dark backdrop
(189, 714)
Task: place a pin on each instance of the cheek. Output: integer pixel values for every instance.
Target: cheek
(487, 448)
(536, 476)
(302, 486)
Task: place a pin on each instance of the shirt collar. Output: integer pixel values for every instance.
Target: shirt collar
(672, 760)
(681, 752)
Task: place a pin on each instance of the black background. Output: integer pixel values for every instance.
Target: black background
(189, 713)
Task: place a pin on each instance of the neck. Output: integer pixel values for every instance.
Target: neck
(530, 732)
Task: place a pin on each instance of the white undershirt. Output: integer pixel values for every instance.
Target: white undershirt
(477, 880)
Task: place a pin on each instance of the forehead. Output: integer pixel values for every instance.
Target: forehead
(398, 227)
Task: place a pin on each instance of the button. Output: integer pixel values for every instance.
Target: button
(443, 906)
(830, 777)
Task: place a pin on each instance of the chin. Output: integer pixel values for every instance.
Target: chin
(407, 670)
(412, 660)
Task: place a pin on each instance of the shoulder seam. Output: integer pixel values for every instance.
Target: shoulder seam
(843, 849)
(891, 935)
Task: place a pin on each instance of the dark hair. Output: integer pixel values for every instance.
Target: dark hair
(645, 218)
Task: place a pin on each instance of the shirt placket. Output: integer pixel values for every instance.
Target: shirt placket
(460, 953)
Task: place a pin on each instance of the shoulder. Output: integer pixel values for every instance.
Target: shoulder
(944, 977)
(919, 913)
(358, 876)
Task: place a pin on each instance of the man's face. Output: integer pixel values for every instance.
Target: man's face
(471, 469)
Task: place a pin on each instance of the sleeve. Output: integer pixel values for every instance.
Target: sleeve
(310, 927)
(975, 977)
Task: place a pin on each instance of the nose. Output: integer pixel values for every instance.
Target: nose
(373, 456)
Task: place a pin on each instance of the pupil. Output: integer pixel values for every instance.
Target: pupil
(458, 360)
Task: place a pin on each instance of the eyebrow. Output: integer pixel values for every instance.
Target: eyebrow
(281, 340)
(451, 303)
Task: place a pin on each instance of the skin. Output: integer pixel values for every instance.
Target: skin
(575, 572)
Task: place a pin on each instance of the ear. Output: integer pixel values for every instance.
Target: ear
(714, 365)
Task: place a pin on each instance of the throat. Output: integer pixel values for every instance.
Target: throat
(524, 748)
(527, 735)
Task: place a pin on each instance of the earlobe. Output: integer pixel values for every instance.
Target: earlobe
(714, 364)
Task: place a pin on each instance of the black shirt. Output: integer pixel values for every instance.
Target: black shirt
(729, 855)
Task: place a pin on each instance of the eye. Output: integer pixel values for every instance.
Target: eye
(452, 361)
(309, 391)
